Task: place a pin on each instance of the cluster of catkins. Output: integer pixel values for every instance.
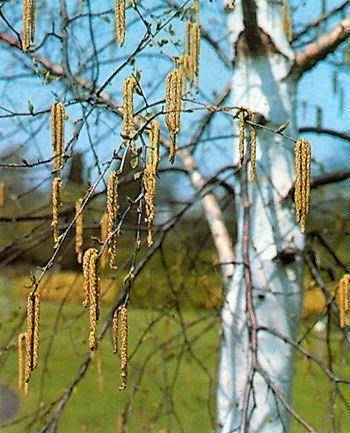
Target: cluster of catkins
(186, 69)
(302, 163)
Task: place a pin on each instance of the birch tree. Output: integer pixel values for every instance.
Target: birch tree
(144, 95)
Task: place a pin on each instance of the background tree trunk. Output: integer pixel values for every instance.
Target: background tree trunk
(245, 399)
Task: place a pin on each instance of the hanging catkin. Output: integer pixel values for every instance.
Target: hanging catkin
(241, 118)
(115, 330)
(32, 336)
(56, 203)
(302, 181)
(29, 12)
(94, 298)
(344, 301)
(129, 86)
(195, 54)
(123, 347)
(57, 132)
(119, 10)
(112, 209)
(287, 20)
(150, 177)
(86, 276)
(21, 349)
(173, 88)
(251, 118)
(79, 230)
(104, 236)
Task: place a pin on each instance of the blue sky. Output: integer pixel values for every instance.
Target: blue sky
(315, 88)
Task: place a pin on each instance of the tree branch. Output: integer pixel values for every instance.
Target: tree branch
(250, 20)
(319, 50)
(212, 209)
(320, 20)
(326, 131)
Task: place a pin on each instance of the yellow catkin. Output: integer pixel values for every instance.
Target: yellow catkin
(21, 348)
(150, 177)
(129, 86)
(287, 20)
(79, 230)
(241, 119)
(187, 60)
(112, 210)
(251, 117)
(115, 330)
(32, 336)
(173, 89)
(123, 347)
(94, 298)
(344, 301)
(302, 181)
(86, 276)
(195, 53)
(119, 10)
(104, 236)
(29, 12)
(57, 132)
(36, 330)
(2, 194)
(56, 203)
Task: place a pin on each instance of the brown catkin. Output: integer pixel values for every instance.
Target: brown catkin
(104, 236)
(29, 12)
(150, 177)
(129, 86)
(94, 298)
(57, 132)
(251, 117)
(79, 230)
(32, 336)
(302, 181)
(344, 301)
(36, 335)
(123, 347)
(173, 89)
(86, 276)
(2, 194)
(56, 203)
(21, 348)
(115, 330)
(112, 210)
(195, 52)
(241, 119)
(119, 11)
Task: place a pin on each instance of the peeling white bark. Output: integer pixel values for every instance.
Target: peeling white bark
(258, 84)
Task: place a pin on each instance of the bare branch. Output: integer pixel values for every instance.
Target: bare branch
(326, 131)
(319, 50)
(320, 20)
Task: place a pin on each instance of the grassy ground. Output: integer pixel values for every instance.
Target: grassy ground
(188, 376)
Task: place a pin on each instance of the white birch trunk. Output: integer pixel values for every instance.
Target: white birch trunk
(258, 84)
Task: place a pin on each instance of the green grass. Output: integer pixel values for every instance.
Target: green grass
(188, 377)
